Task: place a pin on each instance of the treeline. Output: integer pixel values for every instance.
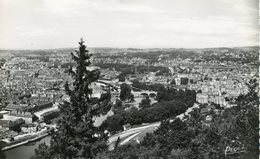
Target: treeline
(167, 94)
(151, 87)
(186, 96)
(171, 103)
(133, 116)
(153, 56)
(130, 69)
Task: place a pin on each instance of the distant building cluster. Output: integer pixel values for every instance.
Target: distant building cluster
(32, 84)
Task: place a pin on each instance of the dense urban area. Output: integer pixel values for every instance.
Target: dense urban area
(167, 103)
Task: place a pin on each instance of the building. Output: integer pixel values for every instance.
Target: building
(2, 113)
(29, 128)
(202, 98)
(12, 107)
(14, 115)
(178, 81)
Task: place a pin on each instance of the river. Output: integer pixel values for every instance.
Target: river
(26, 151)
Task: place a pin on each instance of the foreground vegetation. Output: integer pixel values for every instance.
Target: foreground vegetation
(195, 138)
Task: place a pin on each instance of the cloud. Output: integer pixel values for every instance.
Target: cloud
(128, 23)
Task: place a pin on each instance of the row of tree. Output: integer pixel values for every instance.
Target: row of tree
(130, 69)
(151, 87)
(154, 113)
(171, 102)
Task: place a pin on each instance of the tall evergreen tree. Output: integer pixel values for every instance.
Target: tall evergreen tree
(77, 137)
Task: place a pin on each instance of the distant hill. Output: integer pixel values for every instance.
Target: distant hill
(111, 51)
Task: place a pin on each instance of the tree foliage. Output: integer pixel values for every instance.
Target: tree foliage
(154, 113)
(118, 106)
(184, 80)
(125, 93)
(76, 136)
(145, 103)
(121, 77)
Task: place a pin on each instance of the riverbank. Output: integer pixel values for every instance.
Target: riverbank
(26, 151)
(26, 138)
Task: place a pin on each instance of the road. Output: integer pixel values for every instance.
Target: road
(127, 135)
(137, 133)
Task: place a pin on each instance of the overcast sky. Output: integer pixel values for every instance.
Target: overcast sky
(34, 24)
